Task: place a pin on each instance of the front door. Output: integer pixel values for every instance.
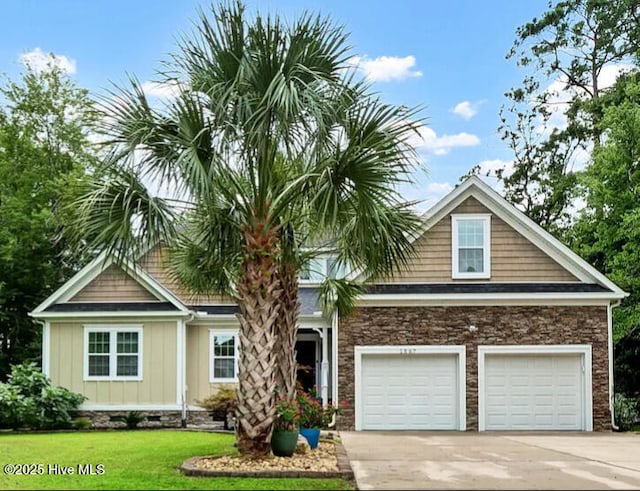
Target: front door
(306, 359)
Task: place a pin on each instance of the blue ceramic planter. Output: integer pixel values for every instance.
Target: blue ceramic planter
(312, 435)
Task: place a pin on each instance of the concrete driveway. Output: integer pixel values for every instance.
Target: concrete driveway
(436, 460)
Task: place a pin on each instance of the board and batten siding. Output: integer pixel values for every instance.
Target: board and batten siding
(113, 285)
(158, 384)
(199, 362)
(153, 264)
(513, 257)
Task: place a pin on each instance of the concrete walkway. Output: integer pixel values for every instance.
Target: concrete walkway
(437, 460)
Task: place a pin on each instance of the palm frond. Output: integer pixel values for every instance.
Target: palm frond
(119, 215)
(339, 295)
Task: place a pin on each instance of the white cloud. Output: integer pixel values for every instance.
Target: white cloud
(465, 110)
(426, 195)
(429, 142)
(160, 90)
(39, 61)
(386, 68)
(489, 167)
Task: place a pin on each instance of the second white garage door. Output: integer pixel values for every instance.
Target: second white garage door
(533, 392)
(409, 392)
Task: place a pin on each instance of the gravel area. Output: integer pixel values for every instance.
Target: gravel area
(321, 459)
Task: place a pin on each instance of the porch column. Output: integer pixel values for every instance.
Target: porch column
(324, 371)
(324, 365)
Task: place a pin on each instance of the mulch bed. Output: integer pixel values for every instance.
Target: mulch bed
(329, 460)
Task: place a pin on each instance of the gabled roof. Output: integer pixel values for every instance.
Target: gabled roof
(91, 271)
(478, 189)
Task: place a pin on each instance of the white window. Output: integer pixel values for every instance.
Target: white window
(113, 353)
(471, 239)
(321, 267)
(224, 356)
(315, 270)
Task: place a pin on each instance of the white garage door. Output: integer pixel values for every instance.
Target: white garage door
(534, 392)
(409, 392)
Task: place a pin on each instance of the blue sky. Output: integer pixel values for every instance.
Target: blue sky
(436, 54)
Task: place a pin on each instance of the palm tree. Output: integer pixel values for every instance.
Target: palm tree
(269, 146)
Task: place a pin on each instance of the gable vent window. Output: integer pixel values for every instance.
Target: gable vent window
(471, 255)
(113, 353)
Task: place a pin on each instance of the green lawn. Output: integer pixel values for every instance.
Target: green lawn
(131, 460)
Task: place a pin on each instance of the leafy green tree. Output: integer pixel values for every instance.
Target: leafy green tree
(270, 146)
(566, 50)
(608, 231)
(44, 151)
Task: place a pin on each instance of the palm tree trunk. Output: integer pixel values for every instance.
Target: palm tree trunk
(258, 293)
(285, 332)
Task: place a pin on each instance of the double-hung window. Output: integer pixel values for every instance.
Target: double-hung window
(321, 267)
(471, 239)
(113, 353)
(223, 355)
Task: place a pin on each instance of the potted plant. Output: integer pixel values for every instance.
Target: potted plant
(285, 434)
(313, 416)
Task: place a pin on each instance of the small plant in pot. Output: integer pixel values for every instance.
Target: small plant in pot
(285, 434)
(313, 415)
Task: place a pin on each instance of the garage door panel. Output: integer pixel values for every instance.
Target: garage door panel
(533, 391)
(409, 392)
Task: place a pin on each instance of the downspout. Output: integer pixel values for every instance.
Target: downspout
(334, 364)
(610, 347)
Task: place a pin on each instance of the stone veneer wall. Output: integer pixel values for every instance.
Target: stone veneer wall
(497, 325)
(168, 419)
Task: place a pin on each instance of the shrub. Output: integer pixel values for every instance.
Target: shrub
(625, 412)
(28, 400)
(224, 402)
(133, 419)
(82, 423)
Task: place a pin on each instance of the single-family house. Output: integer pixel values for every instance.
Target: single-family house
(494, 325)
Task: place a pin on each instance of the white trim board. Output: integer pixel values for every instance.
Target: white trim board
(46, 348)
(538, 349)
(459, 350)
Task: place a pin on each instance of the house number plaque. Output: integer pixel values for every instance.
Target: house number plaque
(407, 351)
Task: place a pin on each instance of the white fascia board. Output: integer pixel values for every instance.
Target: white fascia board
(203, 319)
(223, 320)
(132, 314)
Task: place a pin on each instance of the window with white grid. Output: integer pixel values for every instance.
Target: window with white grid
(471, 255)
(113, 353)
(223, 356)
